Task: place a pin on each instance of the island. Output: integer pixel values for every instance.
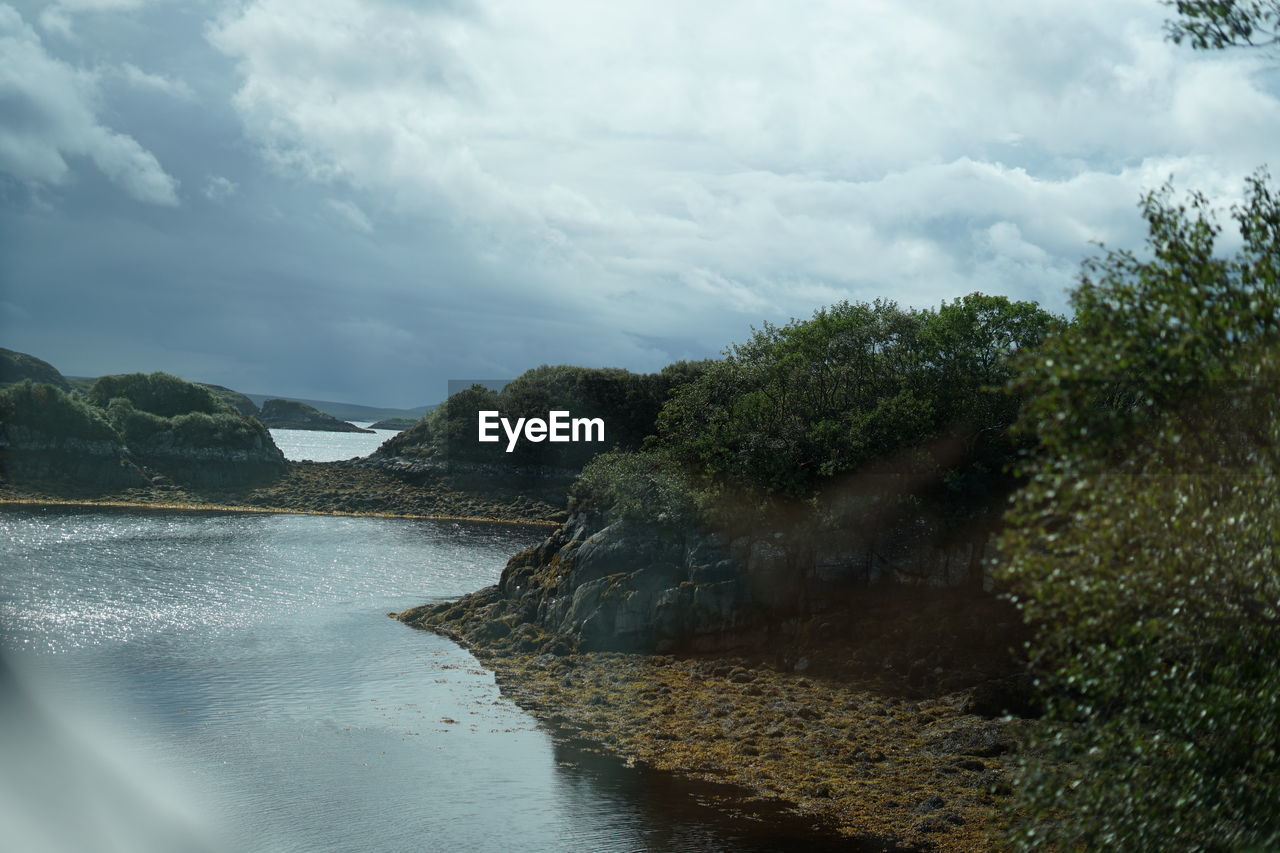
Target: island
(291, 414)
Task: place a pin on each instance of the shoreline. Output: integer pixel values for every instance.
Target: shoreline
(877, 764)
(263, 510)
(338, 489)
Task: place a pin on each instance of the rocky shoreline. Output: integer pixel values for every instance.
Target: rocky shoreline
(331, 488)
(832, 728)
(889, 730)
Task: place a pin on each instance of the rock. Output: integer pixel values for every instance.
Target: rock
(930, 804)
(938, 823)
(982, 740)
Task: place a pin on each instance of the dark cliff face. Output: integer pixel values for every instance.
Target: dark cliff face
(248, 459)
(289, 414)
(632, 586)
(29, 455)
(47, 436)
(54, 439)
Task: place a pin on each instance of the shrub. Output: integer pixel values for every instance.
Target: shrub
(857, 385)
(157, 393)
(48, 410)
(645, 486)
(1145, 548)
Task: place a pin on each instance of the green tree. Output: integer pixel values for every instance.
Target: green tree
(1217, 24)
(1145, 548)
(858, 384)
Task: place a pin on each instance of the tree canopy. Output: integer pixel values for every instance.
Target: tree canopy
(856, 384)
(1216, 24)
(1145, 548)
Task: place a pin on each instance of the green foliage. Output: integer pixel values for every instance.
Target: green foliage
(144, 431)
(157, 393)
(1216, 24)
(1149, 334)
(642, 485)
(627, 402)
(47, 410)
(17, 366)
(134, 425)
(1146, 546)
(225, 430)
(859, 384)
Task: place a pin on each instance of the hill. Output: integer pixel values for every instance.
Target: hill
(348, 411)
(17, 366)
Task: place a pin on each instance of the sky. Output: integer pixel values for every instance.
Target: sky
(361, 200)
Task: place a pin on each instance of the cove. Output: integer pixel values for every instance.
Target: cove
(239, 677)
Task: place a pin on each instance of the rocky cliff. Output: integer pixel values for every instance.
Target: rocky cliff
(30, 455)
(52, 439)
(633, 586)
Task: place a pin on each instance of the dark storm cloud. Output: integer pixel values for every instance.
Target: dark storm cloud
(362, 200)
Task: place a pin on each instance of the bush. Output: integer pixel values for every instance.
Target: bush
(48, 410)
(1145, 548)
(646, 486)
(627, 402)
(157, 393)
(224, 430)
(857, 385)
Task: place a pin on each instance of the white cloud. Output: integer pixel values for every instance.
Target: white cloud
(50, 114)
(139, 79)
(350, 214)
(58, 17)
(218, 188)
(661, 163)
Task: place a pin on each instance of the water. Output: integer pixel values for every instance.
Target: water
(319, 446)
(217, 681)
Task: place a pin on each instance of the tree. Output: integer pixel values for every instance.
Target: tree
(1217, 24)
(1145, 548)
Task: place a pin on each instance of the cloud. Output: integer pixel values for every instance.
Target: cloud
(140, 79)
(58, 17)
(351, 215)
(704, 155)
(618, 183)
(50, 114)
(218, 188)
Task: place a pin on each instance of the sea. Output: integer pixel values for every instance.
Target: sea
(219, 681)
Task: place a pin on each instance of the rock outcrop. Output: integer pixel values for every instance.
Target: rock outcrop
(52, 439)
(633, 586)
(290, 414)
(47, 436)
(30, 455)
(248, 459)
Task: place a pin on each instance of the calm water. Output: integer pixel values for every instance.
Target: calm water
(231, 682)
(320, 446)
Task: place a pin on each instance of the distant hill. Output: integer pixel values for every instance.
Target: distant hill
(17, 366)
(290, 414)
(394, 423)
(347, 411)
